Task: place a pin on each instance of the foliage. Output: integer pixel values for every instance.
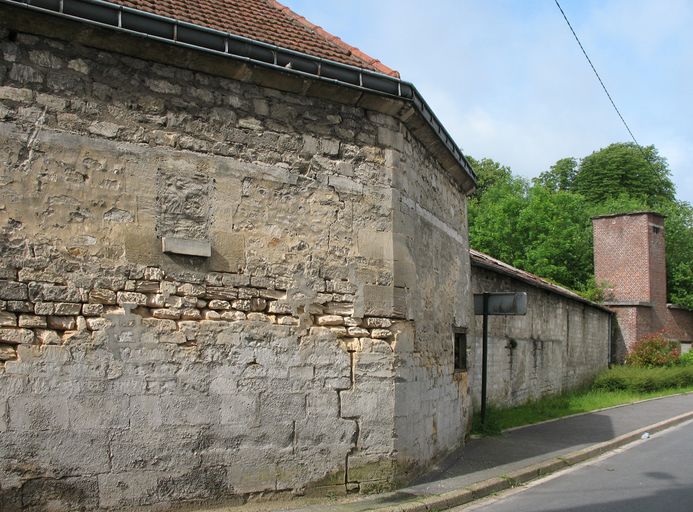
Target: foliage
(545, 227)
(489, 173)
(560, 176)
(653, 351)
(638, 379)
(617, 386)
(686, 359)
(492, 426)
(543, 232)
(678, 228)
(625, 168)
(493, 216)
(594, 291)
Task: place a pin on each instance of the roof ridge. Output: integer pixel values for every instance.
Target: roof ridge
(352, 50)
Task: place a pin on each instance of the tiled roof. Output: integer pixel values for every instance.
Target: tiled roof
(262, 20)
(484, 260)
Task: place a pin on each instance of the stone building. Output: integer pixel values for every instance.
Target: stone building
(562, 342)
(234, 259)
(629, 258)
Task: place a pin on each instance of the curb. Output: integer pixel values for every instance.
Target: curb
(493, 485)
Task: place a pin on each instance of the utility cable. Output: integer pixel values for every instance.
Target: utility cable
(602, 83)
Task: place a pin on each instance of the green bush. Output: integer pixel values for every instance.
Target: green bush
(686, 359)
(653, 351)
(630, 378)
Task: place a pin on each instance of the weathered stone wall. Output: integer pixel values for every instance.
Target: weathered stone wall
(559, 345)
(301, 356)
(432, 268)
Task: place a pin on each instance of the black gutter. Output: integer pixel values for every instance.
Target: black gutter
(181, 33)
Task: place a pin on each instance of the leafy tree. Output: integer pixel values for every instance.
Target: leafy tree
(678, 228)
(532, 228)
(560, 176)
(557, 237)
(546, 228)
(488, 174)
(625, 168)
(493, 217)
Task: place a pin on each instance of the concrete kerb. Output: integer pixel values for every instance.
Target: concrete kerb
(497, 484)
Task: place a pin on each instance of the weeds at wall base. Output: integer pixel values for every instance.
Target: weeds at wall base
(617, 386)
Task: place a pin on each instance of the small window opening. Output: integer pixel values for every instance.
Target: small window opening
(460, 351)
(12, 36)
(655, 229)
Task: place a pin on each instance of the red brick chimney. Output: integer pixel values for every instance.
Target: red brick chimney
(629, 259)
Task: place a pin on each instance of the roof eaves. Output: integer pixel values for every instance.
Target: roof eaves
(376, 91)
(382, 68)
(480, 259)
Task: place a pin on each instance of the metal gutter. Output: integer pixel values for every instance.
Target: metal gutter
(168, 30)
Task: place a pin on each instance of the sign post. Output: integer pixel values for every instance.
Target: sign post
(494, 304)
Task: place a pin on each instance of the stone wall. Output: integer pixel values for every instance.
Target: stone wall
(559, 345)
(431, 272)
(303, 355)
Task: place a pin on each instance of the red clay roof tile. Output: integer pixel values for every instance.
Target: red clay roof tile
(262, 20)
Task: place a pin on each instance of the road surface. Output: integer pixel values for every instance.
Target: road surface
(651, 475)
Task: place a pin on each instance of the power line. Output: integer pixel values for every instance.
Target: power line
(601, 82)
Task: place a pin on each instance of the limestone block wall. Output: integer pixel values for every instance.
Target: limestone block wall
(559, 345)
(311, 352)
(431, 268)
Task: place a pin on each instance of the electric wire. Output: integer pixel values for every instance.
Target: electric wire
(613, 104)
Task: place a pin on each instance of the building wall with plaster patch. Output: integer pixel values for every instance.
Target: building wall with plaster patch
(311, 352)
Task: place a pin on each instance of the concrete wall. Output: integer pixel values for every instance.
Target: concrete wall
(559, 345)
(312, 352)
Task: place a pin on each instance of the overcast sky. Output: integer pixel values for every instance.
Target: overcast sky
(509, 82)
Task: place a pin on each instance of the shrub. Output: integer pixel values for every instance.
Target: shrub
(686, 359)
(630, 378)
(653, 351)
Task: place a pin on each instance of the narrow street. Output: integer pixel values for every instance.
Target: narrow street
(650, 475)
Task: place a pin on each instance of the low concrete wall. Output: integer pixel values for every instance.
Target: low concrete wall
(561, 343)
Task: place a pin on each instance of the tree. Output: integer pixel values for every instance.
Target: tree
(625, 168)
(560, 176)
(557, 237)
(488, 174)
(678, 228)
(493, 219)
(546, 228)
(546, 233)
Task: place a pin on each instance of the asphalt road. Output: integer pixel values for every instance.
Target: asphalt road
(651, 475)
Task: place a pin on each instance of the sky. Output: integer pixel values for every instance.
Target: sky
(509, 82)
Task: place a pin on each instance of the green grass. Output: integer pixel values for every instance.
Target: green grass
(587, 400)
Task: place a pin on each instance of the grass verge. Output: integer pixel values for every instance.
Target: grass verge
(576, 402)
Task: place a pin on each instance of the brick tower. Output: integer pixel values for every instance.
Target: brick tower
(629, 259)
